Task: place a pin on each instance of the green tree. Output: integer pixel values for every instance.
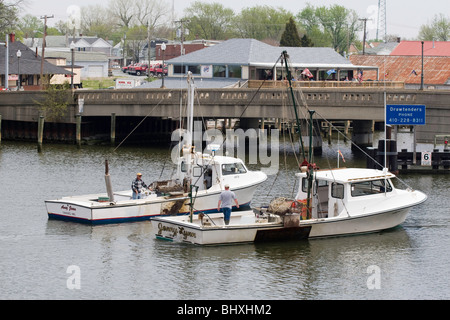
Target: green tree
(136, 40)
(261, 22)
(334, 26)
(438, 29)
(9, 13)
(306, 41)
(209, 21)
(290, 37)
(56, 101)
(30, 26)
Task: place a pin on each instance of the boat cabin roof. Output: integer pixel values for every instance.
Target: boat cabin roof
(349, 175)
(219, 159)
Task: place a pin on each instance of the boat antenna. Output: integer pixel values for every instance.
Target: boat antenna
(289, 77)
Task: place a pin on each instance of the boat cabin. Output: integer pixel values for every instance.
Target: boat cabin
(208, 170)
(334, 191)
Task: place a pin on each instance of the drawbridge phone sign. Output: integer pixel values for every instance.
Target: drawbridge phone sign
(409, 115)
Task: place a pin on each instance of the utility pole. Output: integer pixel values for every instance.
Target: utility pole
(364, 36)
(43, 48)
(182, 32)
(6, 62)
(421, 76)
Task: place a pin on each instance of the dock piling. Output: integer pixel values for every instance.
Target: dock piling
(40, 134)
(78, 130)
(113, 129)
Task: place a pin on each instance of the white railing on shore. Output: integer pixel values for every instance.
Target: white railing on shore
(326, 84)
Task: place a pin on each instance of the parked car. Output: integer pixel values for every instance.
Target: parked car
(157, 70)
(125, 69)
(138, 69)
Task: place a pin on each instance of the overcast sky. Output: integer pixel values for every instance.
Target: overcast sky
(404, 17)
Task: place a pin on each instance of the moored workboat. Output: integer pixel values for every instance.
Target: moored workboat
(204, 174)
(332, 202)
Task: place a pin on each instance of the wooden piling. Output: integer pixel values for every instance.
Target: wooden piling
(78, 130)
(330, 133)
(40, 134)
(113, 129)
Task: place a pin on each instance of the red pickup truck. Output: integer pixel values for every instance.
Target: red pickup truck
(125, 69)
(157, 70)
(138, 69)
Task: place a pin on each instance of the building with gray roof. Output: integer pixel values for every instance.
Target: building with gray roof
(250, 59)
(27, 67)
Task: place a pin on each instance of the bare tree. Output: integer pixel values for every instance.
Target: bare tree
(123, 11)
(151, 13)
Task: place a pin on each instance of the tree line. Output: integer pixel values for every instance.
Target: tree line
(321, 26)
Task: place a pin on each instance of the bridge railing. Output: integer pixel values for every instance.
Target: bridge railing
(326, 84)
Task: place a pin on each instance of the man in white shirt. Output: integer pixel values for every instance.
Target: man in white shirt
(226, 203)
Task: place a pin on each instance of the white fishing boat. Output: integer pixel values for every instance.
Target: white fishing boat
(344, 202)
(335, 202)
(202, 174)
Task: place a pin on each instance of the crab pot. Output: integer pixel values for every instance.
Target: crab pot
(291, 220)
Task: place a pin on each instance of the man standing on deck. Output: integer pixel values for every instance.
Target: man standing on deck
(226, 200)
(137, 185)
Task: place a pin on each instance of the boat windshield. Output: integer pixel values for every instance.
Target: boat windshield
(370, 187)
(233, 168)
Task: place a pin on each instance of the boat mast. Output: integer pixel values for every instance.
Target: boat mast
(190, 119)
(289, 77)
(310, 167)
(189, 146)
(311, 112)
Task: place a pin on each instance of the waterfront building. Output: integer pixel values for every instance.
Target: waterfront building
(25, 68)
(250, 59)
(404, 64)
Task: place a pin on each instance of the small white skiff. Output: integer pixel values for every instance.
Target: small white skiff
(101, 209)
(202, 174)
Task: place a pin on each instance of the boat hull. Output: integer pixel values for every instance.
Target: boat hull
(87, 209)
(246, 230)
(179, 229)
(358, 224)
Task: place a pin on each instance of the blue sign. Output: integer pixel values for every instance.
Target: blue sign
(409, 115)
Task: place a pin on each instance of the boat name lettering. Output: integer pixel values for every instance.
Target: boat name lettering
(186, 234)
(67, 208)
(175, 231)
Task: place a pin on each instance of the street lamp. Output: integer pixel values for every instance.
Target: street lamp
(72, 50)
(19, 54)
(163, 48)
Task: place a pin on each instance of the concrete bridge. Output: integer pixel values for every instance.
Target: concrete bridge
(362, 106)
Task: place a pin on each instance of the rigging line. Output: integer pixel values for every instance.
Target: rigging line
(284, 147)
(245, 109)
(134, 129)
(358, 147)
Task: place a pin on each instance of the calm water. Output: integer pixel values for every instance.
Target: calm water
(125, 261)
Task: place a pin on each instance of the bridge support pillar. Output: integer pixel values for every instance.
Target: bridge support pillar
(249, 123)
(362, 134)
(316, 139)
